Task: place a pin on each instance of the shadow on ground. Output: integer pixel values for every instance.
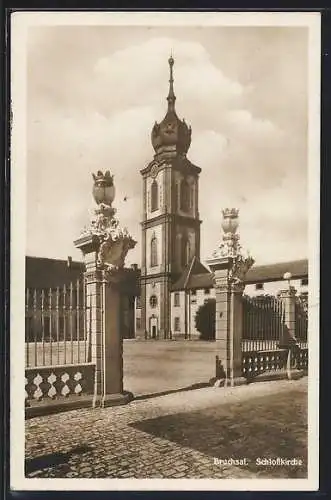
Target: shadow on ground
(265, 427)
(192, 387)
(52, 459)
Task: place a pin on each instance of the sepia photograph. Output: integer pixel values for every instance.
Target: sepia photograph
(165, 250)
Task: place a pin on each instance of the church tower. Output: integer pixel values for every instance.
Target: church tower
(171, 224)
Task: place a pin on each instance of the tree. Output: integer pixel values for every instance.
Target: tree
(205, 320)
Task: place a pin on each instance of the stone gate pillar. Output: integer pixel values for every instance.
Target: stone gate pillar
(105, 245)
(229, 266)
(287, 296)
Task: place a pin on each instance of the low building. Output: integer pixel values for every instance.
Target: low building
(195, 287)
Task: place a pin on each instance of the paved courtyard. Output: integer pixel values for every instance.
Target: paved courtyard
(154, 367)
(177, 435)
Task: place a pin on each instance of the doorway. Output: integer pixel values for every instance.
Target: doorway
(153, 327)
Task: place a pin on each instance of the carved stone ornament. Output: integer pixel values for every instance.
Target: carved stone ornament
(237, 272)
(231, 248)
(114, 241)
(155, 169)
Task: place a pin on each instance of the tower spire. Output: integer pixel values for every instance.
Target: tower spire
(171, 95)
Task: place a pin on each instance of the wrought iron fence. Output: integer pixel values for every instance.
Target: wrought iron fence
(56, 326)
(263, 323)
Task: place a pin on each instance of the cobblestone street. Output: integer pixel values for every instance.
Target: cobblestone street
(175, 436)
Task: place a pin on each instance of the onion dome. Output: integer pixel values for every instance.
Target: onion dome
(172, 133)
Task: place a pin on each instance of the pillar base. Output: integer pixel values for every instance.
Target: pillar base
(235, 382)
(221, 382)
(121, 398)
(295, 374)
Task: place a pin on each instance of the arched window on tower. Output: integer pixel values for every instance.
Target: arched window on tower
(154, 196)
(154, 251)
(185, 251)
(184, 196)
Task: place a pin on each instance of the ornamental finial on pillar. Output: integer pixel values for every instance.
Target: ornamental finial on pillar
(111, 242)
(230, 248)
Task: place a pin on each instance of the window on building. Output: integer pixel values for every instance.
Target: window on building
(177, 299)
(184, 196)
(193, 292)
(177, 324)
(138, 302)
(154, 251)
(259, 286)
(304, 282)
(138, 323)
(186, 251)
(154, 196)
(207, 291)
(153, 301)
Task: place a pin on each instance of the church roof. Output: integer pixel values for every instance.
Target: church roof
(172, 133)
(194, 274)
(197, 276)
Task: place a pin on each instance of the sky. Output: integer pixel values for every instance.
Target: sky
(94, 93)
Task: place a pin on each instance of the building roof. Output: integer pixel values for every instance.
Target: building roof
(275, 272)
(51, 273)
(193, 277)
(42, 273)
(194, 274)
(171, 132)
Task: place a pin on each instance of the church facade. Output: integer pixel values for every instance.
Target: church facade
(173, 281)
(171, 223)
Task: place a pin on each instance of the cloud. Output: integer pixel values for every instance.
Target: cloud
(96, 113)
